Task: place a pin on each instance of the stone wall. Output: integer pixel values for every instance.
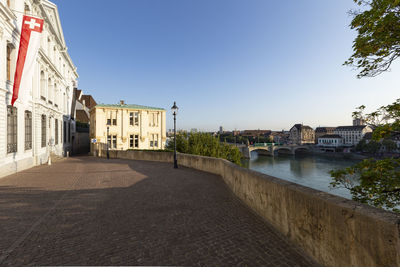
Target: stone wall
(333, 230)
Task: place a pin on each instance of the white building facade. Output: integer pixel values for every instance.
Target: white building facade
(352, 134)
(330, 140)
(129, 127)
(301, 134)
(40, 122)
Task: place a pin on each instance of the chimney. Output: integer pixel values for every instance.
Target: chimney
(122, 102)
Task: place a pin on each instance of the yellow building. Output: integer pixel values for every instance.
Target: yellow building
(129, 127)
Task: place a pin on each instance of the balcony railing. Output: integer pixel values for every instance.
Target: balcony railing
(28, 145)
(12, 148)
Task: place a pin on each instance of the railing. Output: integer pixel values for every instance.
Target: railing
(11, 147)
(266, 144)
(28, 145)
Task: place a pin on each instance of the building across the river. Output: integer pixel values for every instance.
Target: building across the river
(330, 140)
(352, 134)
(302, 134)
(320, 131)
(129, 126)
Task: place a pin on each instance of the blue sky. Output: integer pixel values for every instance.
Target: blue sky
(240, 64)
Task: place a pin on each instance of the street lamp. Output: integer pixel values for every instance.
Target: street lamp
(108, 130)
(174, 109)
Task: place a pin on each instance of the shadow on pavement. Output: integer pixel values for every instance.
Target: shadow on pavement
(90, 211)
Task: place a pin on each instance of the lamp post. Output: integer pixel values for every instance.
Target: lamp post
(174, 109)
(108, 130)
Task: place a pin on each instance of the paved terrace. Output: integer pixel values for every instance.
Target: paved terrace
(90, 211)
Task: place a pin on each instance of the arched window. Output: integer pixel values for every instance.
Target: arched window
(50, 91)
(28, 130)
(42, 86)
(54, 55)
(43, 130)
(12, 129)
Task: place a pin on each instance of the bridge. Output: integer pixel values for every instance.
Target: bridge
(270, 148)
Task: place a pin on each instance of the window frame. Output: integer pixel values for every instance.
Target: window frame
(28, 130)
(43, 133)
(12, 129)
(131, 120)
(131, 141)
(136, 119)
(136, 141)
(114, 141)
(56, 131)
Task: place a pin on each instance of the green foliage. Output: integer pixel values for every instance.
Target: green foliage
(377, 43)
(376, 46)
(372, 147)
(373, 182)
(205, 145)
(389, 145)
(385, 120)
(361, 145)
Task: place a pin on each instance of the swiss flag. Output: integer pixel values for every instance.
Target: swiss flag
(28, 48)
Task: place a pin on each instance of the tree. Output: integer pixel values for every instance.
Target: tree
(372, 147)
(206, 145)
(361, 145)
(389, 145)
(375, 182)
(377, 44)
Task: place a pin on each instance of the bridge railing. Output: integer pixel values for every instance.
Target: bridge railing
(266, 144)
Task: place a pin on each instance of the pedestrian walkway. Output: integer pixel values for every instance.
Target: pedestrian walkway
(93, 211)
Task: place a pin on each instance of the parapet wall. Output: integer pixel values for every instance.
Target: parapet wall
(333, 230)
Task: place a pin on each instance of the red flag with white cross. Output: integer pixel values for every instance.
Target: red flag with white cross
(28, 48)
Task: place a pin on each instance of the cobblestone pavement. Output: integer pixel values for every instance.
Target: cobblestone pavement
(90, 211)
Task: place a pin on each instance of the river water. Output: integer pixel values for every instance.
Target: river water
(308, 170)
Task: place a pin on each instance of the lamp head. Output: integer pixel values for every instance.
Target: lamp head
(174, 109)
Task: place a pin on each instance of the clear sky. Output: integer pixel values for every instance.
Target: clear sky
(240, 64)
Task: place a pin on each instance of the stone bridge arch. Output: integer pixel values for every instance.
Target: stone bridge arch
(262, 151)
(271, 149)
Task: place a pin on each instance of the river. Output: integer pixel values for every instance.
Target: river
(308, 170)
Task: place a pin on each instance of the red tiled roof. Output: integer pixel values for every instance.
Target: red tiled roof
(89, 101)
